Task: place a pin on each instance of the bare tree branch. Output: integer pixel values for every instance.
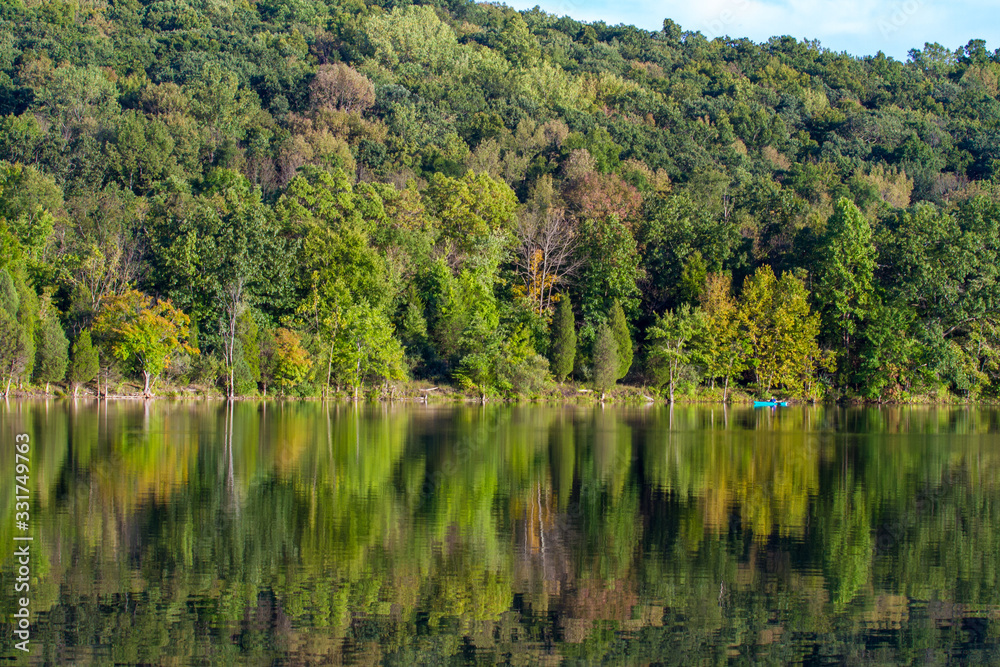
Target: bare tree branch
(545, 254)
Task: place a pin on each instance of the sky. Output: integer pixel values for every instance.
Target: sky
(857, 26)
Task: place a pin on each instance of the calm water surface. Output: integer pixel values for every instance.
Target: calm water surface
(203, 534)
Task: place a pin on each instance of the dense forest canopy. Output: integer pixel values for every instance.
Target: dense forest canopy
(305, 196)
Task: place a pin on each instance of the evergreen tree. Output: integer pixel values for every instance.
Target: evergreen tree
(846, 276)
(85, 364)
(247, 355)
(51, 349)
(17, 346)
(11, 347)
(563, 349)
(606, 361)
(619, 328)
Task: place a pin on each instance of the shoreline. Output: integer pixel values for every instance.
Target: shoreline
(626, 395)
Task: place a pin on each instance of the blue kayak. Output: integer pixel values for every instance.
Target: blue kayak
(770, 404)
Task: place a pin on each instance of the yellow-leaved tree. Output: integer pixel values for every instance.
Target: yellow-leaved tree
(143, 334)
(724, 353)
(780, 331)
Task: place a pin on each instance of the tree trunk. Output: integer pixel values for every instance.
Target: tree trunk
(847, 356)
(232, 299)
(725, 390)
(232, 353)
(357, 373)
(329, 371)
(145, 390)
(672, 381)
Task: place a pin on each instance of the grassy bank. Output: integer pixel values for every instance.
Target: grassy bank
(575, 393)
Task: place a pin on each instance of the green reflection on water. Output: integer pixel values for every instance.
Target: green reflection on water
(207, 533)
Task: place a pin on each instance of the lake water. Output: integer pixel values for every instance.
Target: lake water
(195, 533)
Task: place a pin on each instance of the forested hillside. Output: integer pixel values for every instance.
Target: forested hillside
(299, 196)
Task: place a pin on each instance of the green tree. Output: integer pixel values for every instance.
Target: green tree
(471, 319)
(51, 347)
(606, 363)
(222, 106)
(248, 254)
(142, 152)
(471, 208)
(609, 267)
(17, 324)
(370, 349)
(781, 331)
(623, 339)
(478, 371)
(246, 353)
(681, 242)
(345, 283)
(503, 360)
(143, 334)
(693, 277)
(670, 355)
(943, 266)
(722, 348)
(348, 296)
(11, 347)
(285, 362)
(412, 35)
(216, 255)
(846, 277)
(28, 199)
(85, 363)
(888, 359)
(563, 349)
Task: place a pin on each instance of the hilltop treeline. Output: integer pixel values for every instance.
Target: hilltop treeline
(306, 197)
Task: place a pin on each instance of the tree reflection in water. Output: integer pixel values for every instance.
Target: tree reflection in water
(199, 533)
